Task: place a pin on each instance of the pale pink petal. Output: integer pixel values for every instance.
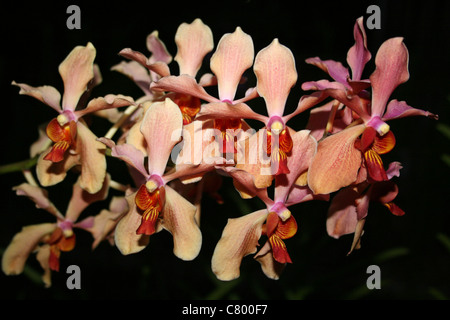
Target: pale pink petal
(223, 110)
(234, 55)
(306, 102)
(157, 48)
(125, 237)
(303, 150)
(342, 215)
(158, 67)
(128, 153)
(391, 70)
(393, 170)
(399, 109)
(77, 71)
(21, 246)
(193, 41)
(337, 161)
(182, 84)
(162, 128)
(136, 72)
(110, 101)
(39, 196)
(92, 159)
(81, 199)
(334, 68)
(299, 194)
(178, 217)
(239, 239)
(276, 74)
(358, 55)
(46, 94)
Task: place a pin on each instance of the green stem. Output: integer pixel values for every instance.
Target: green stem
(18, 166)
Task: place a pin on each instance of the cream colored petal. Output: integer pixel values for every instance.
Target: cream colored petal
(92, 158)
(271, 268)
(337, 161)
(125, 237)
(76, 71)
(239, 239)
(178, 217)
(21, 246)
(234, 55)
(43, 256)
(193, 41)
(49, 173)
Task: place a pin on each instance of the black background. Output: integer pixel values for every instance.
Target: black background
(413, 258)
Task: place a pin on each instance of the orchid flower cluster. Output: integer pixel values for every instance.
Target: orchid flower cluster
(188, 131)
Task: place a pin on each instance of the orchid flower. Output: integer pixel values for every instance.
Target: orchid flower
(240, 236)
(233, 56)
(329, 118)
(155, 205)
(349, 207)
(73, 142)
(50, 239)
(193, 41)
(338, 160)
(276, 74)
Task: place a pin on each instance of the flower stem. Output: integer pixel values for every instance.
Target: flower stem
(126, 114)
(18, 166)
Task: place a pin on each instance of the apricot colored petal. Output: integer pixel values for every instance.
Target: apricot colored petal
(223, 110)
(162, 128)
(125, 237)
(46, 94)
(239, 239)
(81, 199)
(234, 55)
(50, 173)
(335, 69)
(244, 182)
(76, 71)
(178, 217)
(270, 267)
(399, 109)
(43, 257)
(104, 223)
(128, 153)
(359, 230)
(182, 84)
(391, 70)
(303, 150)
(110, 101)
(92, 159)
(358, 55)
(252, 158)
(21, 246)
(193, 41)
(275, 71)
(342, 215)
(336, 162)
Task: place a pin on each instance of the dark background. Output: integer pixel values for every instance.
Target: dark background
(412, 251)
